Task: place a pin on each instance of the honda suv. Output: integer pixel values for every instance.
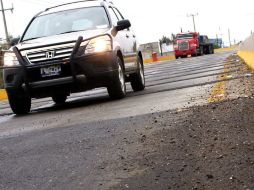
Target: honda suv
(72, 48)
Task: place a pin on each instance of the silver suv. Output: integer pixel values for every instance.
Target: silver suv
(71, 48)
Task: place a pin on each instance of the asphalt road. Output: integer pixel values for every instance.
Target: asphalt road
(92, 142)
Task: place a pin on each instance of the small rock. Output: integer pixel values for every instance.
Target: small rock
(209, 176)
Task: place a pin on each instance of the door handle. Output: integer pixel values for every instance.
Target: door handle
(127, 36)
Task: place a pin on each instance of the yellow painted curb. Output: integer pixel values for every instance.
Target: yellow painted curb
(248, 57)
(3, 95)
(225, 49)
(163, 58)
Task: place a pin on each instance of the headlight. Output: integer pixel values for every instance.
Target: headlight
(10, 59)
(98, 45)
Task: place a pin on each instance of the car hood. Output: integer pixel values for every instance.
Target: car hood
(61, 38)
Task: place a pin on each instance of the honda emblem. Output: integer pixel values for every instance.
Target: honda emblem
(50, 54)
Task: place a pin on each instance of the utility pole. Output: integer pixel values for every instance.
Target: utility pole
(193, 19)
(4, 19)
(229, 38)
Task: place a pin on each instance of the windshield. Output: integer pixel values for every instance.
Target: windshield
(183, 36)
(67, 21)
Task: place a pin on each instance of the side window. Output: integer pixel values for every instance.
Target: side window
(118, 14)
(113, 16)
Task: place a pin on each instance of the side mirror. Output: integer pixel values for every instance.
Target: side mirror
(123, 24)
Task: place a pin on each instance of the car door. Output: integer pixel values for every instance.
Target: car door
(130, 57)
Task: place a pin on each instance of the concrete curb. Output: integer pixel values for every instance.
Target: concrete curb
(3, 95)
(248, 57)
(163, 58)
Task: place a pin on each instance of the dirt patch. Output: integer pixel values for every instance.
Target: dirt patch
(210, 147)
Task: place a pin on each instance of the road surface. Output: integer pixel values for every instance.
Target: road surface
(190, 129)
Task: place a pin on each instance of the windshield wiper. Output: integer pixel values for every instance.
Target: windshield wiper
(70, 31)
(32, 38)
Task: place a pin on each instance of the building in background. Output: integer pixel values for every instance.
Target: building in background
(154, 47)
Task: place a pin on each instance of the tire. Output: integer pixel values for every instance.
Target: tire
(212, 50)
(20, 105)
(184, 56)
(138, 79)
(59, 99)
(176, 57)
(201, 51)
(117, 88)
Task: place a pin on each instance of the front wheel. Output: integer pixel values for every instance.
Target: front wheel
(138, 79)
(59, 99)
(20, 105)
(117, 88)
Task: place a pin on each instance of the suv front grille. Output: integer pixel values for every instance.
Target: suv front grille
(59, 53)
(184, 45)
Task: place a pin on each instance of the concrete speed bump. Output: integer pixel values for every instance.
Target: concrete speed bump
(3, 95)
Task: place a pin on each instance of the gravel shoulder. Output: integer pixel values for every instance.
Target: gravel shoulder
(204, 147)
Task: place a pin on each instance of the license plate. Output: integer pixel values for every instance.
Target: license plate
(51, 71)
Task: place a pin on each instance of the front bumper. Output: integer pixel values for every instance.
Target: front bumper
(79, 74)
(185, 52)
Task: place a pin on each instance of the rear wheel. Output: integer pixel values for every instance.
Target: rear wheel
(20, 105)
(138, 79)
(59, 99)
(212, 50)
(201, 51)
(117, 89)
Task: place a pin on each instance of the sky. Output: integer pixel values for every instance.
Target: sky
(153, 19)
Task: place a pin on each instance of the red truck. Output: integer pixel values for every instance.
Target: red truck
(193, 44)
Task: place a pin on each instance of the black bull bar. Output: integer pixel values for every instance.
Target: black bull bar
(23, 64)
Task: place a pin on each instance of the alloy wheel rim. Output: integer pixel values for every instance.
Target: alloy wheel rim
(121, 77)
(141, 70)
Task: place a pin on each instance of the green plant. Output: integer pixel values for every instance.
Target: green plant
(216, 46)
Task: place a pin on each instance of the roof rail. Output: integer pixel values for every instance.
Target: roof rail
(74, 2)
